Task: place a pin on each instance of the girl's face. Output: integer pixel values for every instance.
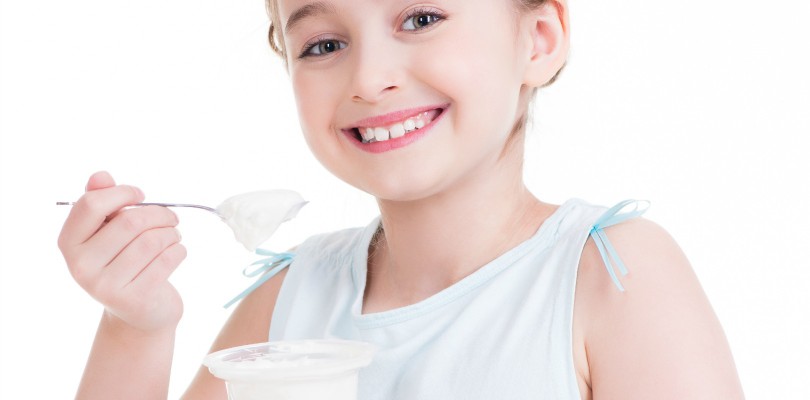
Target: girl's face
(435, 84)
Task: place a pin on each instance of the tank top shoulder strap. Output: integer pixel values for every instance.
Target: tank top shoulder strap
(619, 213)
(267, 267)
(324, 246)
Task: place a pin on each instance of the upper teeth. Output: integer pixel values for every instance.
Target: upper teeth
(379, 134)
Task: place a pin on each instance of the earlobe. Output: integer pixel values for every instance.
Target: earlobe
(549, 40)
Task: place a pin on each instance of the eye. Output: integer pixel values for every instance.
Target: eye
(420, 19)
(322, 47)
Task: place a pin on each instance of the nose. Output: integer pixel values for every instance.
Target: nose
(377, 72)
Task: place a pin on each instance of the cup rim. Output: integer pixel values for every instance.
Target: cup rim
(331, 357)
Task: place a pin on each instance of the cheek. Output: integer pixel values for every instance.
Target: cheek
(306, 90)
(318, 97)
(479, 74)
(314, 113)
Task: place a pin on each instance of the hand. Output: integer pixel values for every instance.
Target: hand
(122, 256)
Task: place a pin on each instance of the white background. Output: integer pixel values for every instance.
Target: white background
(701, 107)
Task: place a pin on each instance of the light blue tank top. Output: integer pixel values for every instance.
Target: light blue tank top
(503, 332)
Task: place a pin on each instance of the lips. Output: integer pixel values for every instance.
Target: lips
(396, 129)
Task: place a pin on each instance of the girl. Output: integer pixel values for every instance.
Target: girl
(472, 287)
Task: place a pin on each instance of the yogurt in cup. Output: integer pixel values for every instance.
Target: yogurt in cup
(292, 370)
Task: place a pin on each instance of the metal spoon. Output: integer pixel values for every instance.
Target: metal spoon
(206, 208)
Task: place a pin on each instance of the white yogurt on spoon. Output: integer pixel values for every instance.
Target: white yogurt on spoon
(255, 216)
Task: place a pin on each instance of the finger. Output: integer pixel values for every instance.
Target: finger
(138, 256)
(91, 211)
(122, 230)
(160, 269)
(99, 180)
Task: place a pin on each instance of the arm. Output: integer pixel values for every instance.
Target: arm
(123, 258)
(127, 363)
(658, 339)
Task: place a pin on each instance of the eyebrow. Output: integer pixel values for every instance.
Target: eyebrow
(309, 10)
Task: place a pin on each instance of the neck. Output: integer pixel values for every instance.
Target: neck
(429, 244)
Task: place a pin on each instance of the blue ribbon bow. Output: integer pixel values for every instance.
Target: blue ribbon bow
(611, 217)
(267, 268)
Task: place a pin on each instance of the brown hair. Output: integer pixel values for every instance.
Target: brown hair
(274, 34)
(276, 41)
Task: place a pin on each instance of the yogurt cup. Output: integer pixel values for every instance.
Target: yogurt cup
(292, 370)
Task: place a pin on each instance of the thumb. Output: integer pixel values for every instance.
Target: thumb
(99, 180)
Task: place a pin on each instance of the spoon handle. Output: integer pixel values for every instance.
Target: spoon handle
(206, 208)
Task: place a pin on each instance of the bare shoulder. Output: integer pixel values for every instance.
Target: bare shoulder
(249, 323)
(660, 337)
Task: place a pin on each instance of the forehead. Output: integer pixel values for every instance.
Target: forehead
(291, 12)
(287, 7)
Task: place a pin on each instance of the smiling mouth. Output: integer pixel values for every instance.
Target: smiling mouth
(372, 134)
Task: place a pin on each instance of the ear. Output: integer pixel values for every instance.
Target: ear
(549, 39)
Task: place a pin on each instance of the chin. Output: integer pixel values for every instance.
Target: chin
(399, 189)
